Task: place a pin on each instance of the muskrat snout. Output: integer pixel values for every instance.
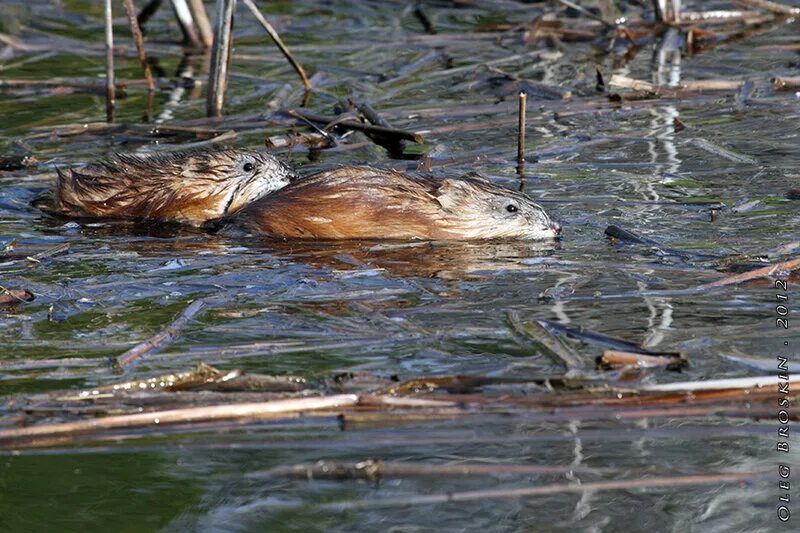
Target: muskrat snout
(556, 227)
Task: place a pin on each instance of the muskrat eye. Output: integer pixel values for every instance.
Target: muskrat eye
(249, 167)
(511, 208)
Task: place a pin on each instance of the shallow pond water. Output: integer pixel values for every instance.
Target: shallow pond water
(319, 309)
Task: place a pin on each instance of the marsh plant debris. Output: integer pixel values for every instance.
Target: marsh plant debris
(164, 377)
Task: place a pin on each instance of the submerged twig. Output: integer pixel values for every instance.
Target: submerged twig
(546, 490)
(549, 344)
(601, 339)
(165, 335)
(57, 249)
(720, 151)
(615, 232)
(372, 469)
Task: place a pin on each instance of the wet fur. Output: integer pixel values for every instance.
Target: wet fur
(188, 187)
(365, 203)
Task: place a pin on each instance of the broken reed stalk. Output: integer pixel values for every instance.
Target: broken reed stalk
(546, 490)
(523, 107)
(139, 40)
(165, 335)
(220, 58)
(200, 17)
(110, 83)
(186, 22)
(279, 43)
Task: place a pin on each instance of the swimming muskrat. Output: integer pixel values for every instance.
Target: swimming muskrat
(186, 187)
(370, 203)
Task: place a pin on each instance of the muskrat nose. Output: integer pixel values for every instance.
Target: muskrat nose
(556, 227)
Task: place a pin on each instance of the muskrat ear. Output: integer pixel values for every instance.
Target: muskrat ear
(452, 192)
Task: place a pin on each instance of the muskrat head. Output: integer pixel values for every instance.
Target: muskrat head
(239, 176)
(479, 209)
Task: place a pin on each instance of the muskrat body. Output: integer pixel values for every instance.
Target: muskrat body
(185, 187)
(370, 203)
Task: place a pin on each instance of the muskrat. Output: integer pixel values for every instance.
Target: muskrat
(370, 203)
(186, 187)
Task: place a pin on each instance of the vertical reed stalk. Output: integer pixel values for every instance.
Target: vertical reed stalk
(139, 40)
(200, 16)
(186, 22)
(111, 95)
(277, 40)
(523, 107)
(220, 57)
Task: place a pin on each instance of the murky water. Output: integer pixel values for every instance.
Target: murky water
(317, 309)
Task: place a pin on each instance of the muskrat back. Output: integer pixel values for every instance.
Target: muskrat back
(369, 203)
(187, 187)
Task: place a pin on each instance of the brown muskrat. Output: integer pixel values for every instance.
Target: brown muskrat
(186, 187)
(370, 203)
